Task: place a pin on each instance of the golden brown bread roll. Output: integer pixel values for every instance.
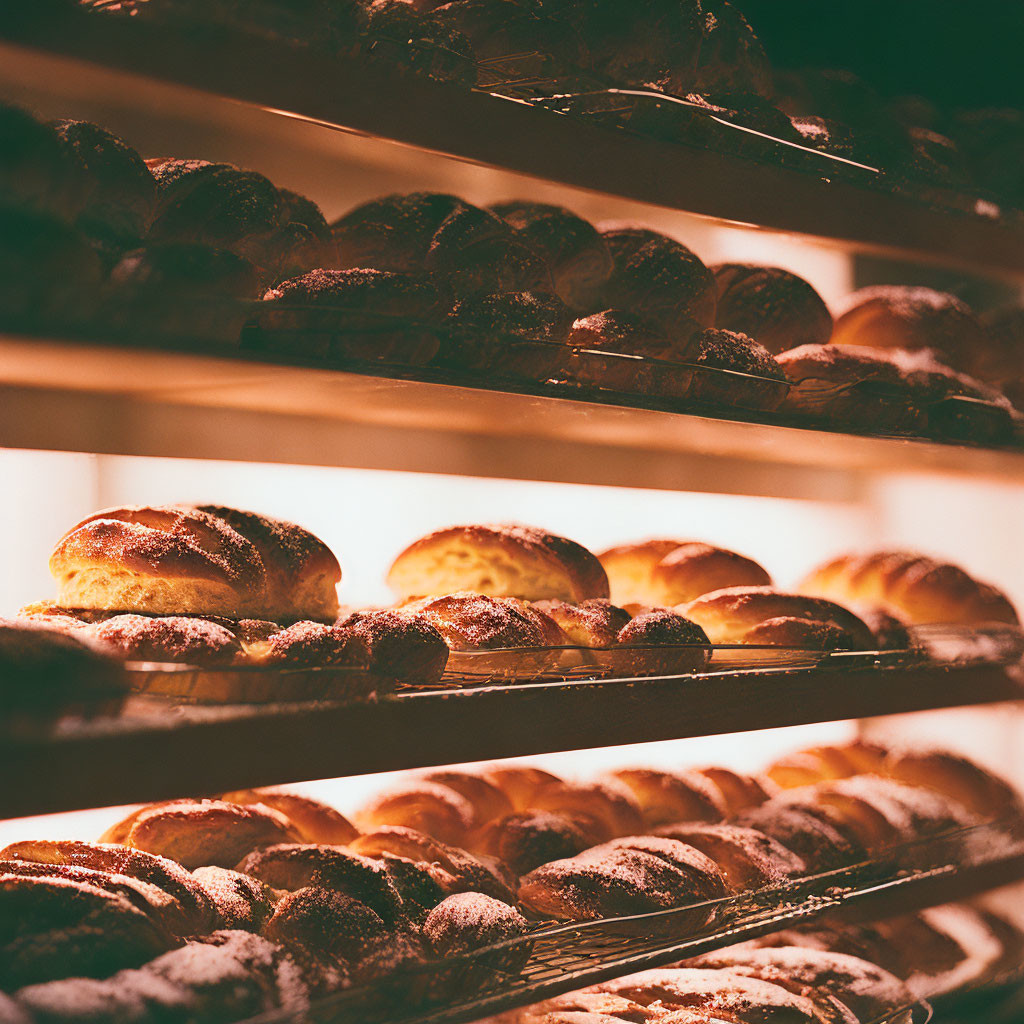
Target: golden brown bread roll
(174, 638)
(625, 876)
(200, 832)
(500, 561)
(914, 587)
(429, 807)
(190, 911)
(909, 318)
(605, 809)
(667, 797)
(312, 820)
(728, 616)
(524, 840)
(467, 921)
(594, 623)
(198, 560)
(475, 622)
(486, 799)
(739, 791)
(453, 869)
(816, 764)
(520, 783)
(664, 572)
(747, 858)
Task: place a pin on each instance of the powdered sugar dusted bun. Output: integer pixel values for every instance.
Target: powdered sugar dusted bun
(625, 876)
(594, 623)
(666, 797)
(889, 316)
(200, 832)
(691, 570)
(206, 560)
(399, 646)
(812, 836)
(475, 622)
(914, 587)
(469, 920)
(774, 306)
(310, 644)
(868, 990)
(526, 839)
(630, 566)
(314, 821)
(500, 561)
(241, 902)
(747, 858)
(728, 615)
(167, 638)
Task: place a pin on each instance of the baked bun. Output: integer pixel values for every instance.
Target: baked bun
(520, 783)
(469, 920)
(750, 375)
(605, 809)
(371, 315)
(500, 561)
(739, 791)
(747, 858)
(574, 250)
(120, 191)
(594, 623)
(241, 901)
(817, 764)
(473, 622)
(312, 821)
(399, 646)
(625, 876)
(916, 588)
(309, 644)
(681, 645)
(774, 306)
(200, 832)
(692, 570)
(909, 318)
(429, 807)
(181, 290)
(524, 840)
(629, 568)
(660, 279)
(668, 797)
(170, 638)
(195, 560)
(814, 836)
(729, 615)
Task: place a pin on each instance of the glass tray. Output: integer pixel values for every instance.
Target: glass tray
(556, 958)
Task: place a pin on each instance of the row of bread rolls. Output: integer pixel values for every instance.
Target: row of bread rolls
(703, 50)
(283, 886)
(211, 585)
(641, 839)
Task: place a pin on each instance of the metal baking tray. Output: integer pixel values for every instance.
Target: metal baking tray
(556, 958)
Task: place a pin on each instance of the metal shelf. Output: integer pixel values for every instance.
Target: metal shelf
(372, 100)
(155, 751)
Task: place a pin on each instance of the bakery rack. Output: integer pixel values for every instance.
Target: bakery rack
(559, 958)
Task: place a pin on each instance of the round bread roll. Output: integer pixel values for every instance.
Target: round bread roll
(313, 821)
(575, 252)
(777, 308)
(909, 318)
(469, 920)
(474, 622)
(659, 278)
(363, 314)
(309, 644)
(594, 623)
(167, 638)
(626, 876)
(520, 783)
(739, 791)
(747, 858)
(499, 561)
(196, 833)
(430, 807)
(196, 560)
(817, 764)
(241, 902)
(806, 634)
(728, 615)
(606, 809)
(667, 797)
(692, 570)
(660, 642)
(803, 828)
(629, 568)
(524, 840)
(487, 800)
(399, 646)
(916, 588)
(748, 374)
(120, 189)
